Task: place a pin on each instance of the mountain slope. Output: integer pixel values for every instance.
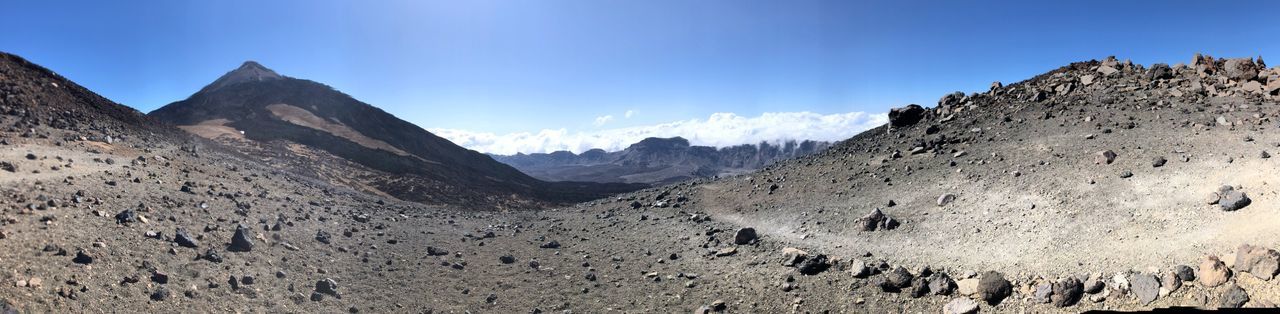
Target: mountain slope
(656, 161)
(253, 104)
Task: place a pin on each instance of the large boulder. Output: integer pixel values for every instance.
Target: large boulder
(904, 116)
(1240, 70)
(1159, 71)
(1258, 261)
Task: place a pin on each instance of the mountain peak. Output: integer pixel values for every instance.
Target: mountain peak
(249, 71)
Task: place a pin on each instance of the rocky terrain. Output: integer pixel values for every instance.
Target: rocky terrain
(657, 161)
(1098, 185)
(308, 127)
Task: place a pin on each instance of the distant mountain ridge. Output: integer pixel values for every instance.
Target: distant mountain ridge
(320, 130)
(657, 161)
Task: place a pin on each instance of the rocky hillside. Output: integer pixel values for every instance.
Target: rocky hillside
(1101, 185)
(300, 124)
(656, 161)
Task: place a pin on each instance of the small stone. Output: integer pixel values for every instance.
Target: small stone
(1043, 293)
(727, 251)
(946, 199)
(1158, 162)
(1104, 157)
(1169, 281)
(82, 258)
(323, 237)
(507, 259)
(1126, 174)
(1185, 273)
(160, 294)
(550, 245)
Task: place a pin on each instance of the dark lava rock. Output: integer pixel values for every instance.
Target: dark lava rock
(1234, 297)
(1158, 162)
(507, 259)
(212, 256)
(941, 284)
(1159, 71)
(433, 251)
(1145, 286)
(813, 265)
(907, 115)
(1094, 286)
(993, 288)
(240, 241)
(183, 239)
(897, 279)
(876, 219)
(919, 288)
(744, 236)
(160, 294)
(323, 237)
(1126, 174)
(1185, 273)
(1233, 200)
(1067, 292)
(327, 286)
(127, 216)
(82, 258)
(550, 245)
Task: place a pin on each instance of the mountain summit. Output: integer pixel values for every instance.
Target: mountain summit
(313, 128)
(250, 71)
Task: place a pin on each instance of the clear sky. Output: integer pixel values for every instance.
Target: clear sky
(498, 68)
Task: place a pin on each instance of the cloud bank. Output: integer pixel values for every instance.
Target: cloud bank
(718, 130)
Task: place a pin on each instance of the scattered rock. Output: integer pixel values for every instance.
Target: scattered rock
(323, 237)
(507, 259)
(82, 258)
(1234, 297)
(1231, 199)
(744, 236)
(1105, 157)
(961, 306)
(946, 199)
(160, 294)
(183, 239)
(941, 284)
(813, 265)
(877, 220)
(1145, 286)
(1067, 292)
(1158, 162)
(550, 245)
(896, 279)
(993, 288)
(241, 241)
(327, 286)
(1260, 262)
(1185, 273)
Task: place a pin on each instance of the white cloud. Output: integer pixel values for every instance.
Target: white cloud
(719, 130)
(628, 114)
(601, 120)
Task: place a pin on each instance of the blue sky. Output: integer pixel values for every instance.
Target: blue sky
(505, 67)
